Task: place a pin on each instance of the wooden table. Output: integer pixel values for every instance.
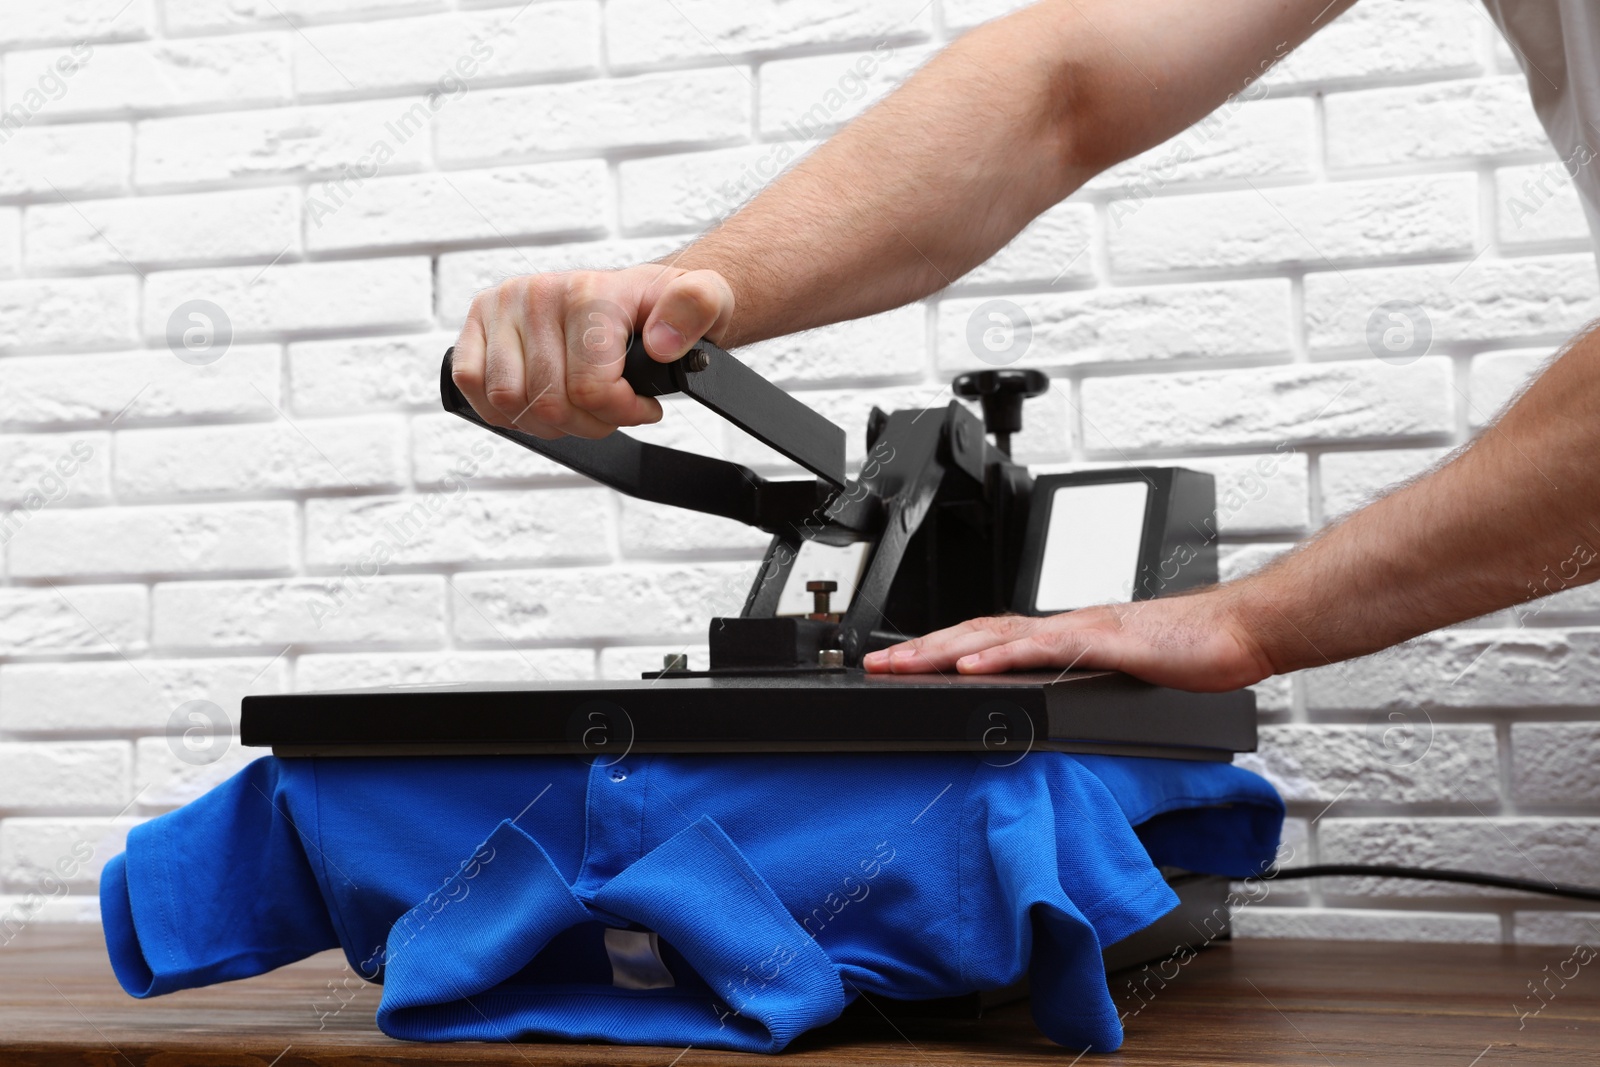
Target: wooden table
(1321, 1004)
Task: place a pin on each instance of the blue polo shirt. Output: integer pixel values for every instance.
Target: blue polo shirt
(720, 901)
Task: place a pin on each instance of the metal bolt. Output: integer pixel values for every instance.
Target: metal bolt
(697, 359)
(830, 657)
(819, 597)
(675, 661)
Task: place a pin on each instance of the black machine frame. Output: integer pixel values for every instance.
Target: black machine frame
(953, 532)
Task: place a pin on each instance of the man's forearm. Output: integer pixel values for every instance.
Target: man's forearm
(1513, 517)
(1007, 121)
(910, 196)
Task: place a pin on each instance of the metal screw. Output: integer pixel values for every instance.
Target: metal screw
(830, 657)
(675, 661)
(697, 359)
(819, 597)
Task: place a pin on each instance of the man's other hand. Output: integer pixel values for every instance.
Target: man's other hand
(1196, 642)
(544, 353)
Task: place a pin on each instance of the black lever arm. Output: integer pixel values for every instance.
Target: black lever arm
(744, 398)
(683, 479)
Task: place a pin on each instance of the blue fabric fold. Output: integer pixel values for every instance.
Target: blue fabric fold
(479, 890)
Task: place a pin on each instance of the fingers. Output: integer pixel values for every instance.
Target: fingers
(597, 329)
(1083, 639)
(1055, 648)
(545, 353)
(467, 360)
(940, 650)
(690, 306)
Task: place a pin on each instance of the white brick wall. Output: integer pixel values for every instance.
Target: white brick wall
(338, 177)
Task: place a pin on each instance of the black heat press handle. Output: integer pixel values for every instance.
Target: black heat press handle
(684, 479)
(732, 390)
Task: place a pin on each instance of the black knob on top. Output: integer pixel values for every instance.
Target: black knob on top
(1001, 393)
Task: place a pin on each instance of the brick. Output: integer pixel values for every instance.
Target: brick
(363, 670)
(1384, 39)
(443, 447)
(1055, 247)
(162, 230)
(293, 297)
(1486, 301)
(1564, 928)
(238, 71)
(1527, 668)
(42, 855)
(121, 696)
(1580, 604)
(76, 619)
(1558, 849)
(1555, 762)
(168, 780)
(1441, 120)
(1353, 479)
(640, 31)
(44, 391)
(805, 99)
(632, 661)
(79, 157)
(463, 274)
(695, 189)
(69, 21)
(584, 603)
(1497, 377)
(38, 470)
(456, 526)
(1274, 696)
(10, 242)
(659, 531)
(204, 539)
(1366, 924)
(1242, 140)
(500, 205)
(1303, 225)
(1268, 405)
(884, 346)
(39, 776)
(1322, 764)
(651, 109)
(299, 611)
(1126, 324)
(1538, 203)
(194, 16)
(302, 142)
(356, 374)
(1259, 494)
(445, 53)
(353, 453)
(68, 312)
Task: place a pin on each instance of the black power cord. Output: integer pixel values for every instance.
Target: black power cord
(1379, 870)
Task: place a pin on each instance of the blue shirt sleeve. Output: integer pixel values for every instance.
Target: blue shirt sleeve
(220, 889)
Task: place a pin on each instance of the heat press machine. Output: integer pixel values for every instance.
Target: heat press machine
(939, 525)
